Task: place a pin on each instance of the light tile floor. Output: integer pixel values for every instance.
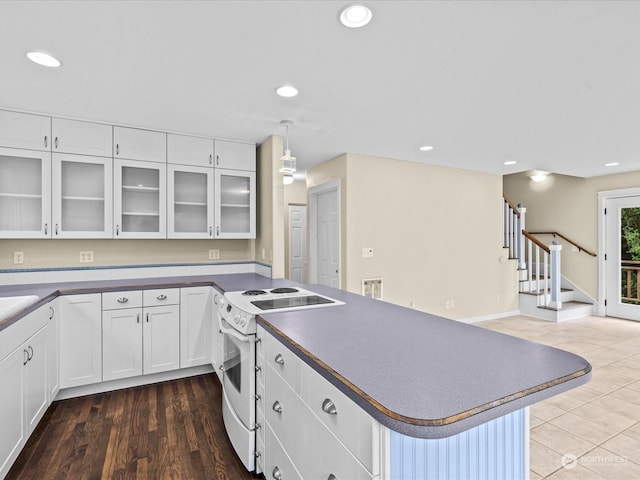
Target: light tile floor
(593, 431)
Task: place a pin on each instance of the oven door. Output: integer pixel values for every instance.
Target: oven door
(239, 388)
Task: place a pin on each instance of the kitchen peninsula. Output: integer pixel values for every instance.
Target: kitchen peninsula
(422, 396)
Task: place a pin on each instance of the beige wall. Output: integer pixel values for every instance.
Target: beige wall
(427, 226)
(294, 194)
(270, 214)
(568, 205)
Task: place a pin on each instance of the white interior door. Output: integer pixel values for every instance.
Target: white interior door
(622, 225)
(298, 243)
(328, 239)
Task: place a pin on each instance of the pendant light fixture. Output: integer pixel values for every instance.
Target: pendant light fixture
(288, 162)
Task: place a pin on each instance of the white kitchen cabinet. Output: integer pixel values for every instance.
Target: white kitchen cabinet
(82, 138)
(140, 199)
(23, 130)
(23, 374)
(188, 150)
(235, 202)
(80, 339)
(144, 338)
(25, 193)
(235, 155)
(138, 144)
(53, 353)
(189, 202)
(82, 196)
(196, 317)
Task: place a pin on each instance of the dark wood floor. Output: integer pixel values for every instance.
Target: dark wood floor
(169, 430)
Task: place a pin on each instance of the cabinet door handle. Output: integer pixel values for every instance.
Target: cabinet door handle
(277, 407)
(117, 149)
(210, 231)
(55, 142)
(217, 160)
(46, 228)
(30, 352)
(56, 229)
(161, 297)
(210, 159)
(46, 141)
(147, 317)
(329, 407)
(276, 474)
(52, 312)
(217, 231)
(123, 300)
(26, 357)
(117, 230)
(332, 477)
(138, 318)
(279, 359)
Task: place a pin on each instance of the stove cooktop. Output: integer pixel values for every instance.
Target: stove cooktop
(280, 299)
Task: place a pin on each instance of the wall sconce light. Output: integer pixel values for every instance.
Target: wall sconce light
(538, 176)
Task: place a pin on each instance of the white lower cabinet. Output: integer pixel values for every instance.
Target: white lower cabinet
(53, 351)
(195, 326)
(142, 339)
(23, 373)
(80, 323)
(313, 430)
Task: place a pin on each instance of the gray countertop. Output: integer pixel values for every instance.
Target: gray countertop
(416, 373)
(419, 374)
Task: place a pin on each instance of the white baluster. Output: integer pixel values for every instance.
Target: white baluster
(520, 236)
(556, 292)
(546, 279)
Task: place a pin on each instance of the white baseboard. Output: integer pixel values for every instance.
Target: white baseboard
(491, 316)
(131, 382)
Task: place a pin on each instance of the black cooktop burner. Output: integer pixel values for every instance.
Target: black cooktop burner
(252, 293)
(284, 290)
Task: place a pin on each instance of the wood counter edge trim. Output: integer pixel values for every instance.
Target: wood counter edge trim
(419, 421)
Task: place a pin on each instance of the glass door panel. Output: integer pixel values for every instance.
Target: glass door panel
(83, 197)
(190, 202)
(25, 201)
(140, 200)
(236, 204)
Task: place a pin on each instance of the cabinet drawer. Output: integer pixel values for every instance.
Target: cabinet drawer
(125, 299)
(13, 336)
(346, 420)
(278, 464)
(284, 361)
(313, 449)
(161, 296)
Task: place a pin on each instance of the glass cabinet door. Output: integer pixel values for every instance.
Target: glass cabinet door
(82, 196)
(25, 193)
(140, 203)
(190, 202)
(235, 204)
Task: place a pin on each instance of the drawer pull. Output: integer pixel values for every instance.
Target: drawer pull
(52, 312)
(279, 359)
(277, 407)
(332, 477)
(329, 407)
(123, 300)
(276, 473)
(162, 297)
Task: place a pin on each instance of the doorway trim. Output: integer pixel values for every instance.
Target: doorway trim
(602, 241)
(313, 228)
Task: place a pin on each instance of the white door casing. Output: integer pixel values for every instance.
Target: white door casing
(324, 234)
(298, 243)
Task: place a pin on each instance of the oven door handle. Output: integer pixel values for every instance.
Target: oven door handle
(231, 331)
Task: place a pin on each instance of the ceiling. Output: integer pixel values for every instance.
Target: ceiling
(554, 86)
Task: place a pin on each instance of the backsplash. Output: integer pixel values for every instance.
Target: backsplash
(117, 272)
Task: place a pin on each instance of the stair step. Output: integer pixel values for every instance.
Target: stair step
(568, 306)
(541, 291)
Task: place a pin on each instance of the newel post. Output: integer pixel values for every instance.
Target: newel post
(556, 298)
(520, 237)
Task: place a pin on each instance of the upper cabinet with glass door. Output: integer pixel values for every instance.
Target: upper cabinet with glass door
(140, 196)
(235, 204)
(25, 193)
(189, 187)
(82, 204)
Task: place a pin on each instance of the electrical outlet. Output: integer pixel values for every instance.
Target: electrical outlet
(86, 257)
(367, 252)
(18, 258)
(214, 254)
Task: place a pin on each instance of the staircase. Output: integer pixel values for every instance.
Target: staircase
(544, 292)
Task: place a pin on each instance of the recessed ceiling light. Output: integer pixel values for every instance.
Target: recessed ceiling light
(425, 148)
(355, 16)
(510, 162)
(287, 91)
(612, 164)
(44, 59)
